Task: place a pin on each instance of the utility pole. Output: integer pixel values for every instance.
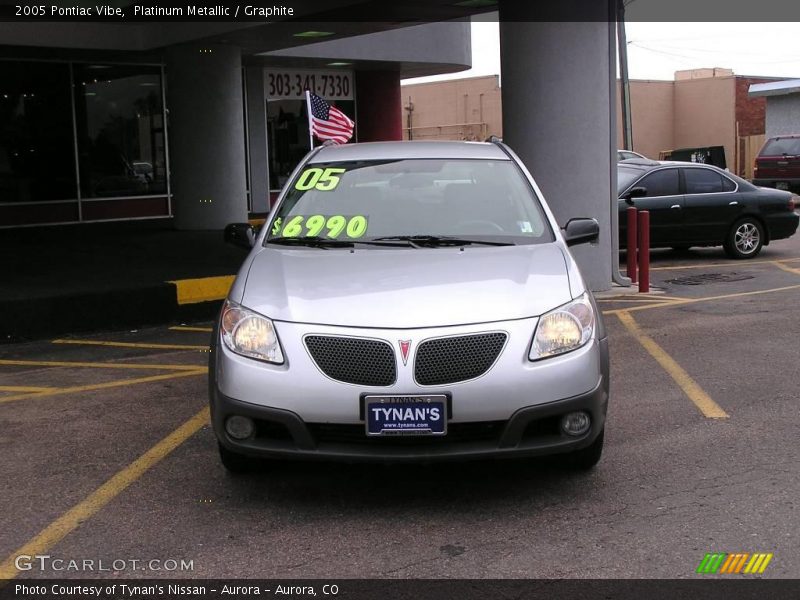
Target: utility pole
(622, 42)
(410, 108)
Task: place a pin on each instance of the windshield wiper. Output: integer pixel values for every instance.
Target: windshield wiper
(325, 242)
(314, 241)
(440, 240)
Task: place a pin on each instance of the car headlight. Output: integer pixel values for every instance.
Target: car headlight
(564, 329)
(249, 334)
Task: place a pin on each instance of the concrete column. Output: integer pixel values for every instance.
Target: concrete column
(257, 134)
(206, 135)
(379, 108)
(558, 88)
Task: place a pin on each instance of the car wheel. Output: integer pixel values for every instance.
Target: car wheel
(234, 462)
(745, 239)
(586, 458)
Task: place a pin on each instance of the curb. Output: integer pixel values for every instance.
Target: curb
(120, 308)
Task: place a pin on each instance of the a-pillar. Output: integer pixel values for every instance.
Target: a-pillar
(206, 135)
(379, 106)
(558, 90)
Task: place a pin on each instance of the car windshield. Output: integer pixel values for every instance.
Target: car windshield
(626, 176)
(411, 202)
(780, 146)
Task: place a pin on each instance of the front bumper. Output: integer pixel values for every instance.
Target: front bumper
(527, 430)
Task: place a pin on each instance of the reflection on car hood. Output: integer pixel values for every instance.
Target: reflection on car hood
(406, 287)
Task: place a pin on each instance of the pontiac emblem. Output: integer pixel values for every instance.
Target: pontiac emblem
(405, 345)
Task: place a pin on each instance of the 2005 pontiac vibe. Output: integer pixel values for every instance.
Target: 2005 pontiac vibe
(410, 301)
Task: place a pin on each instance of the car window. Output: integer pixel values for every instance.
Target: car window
(414, 197)
(779, 146)
(702, 181)
(728, 185)
(623, 155)
(663, 182)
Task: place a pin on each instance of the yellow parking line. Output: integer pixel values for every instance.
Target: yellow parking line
(702, 401)
(702, 299)
(780, 265)
(183, 328)
(131, 345)
(625, 299)
(89, 506)
(645, 299)
(725, 264)
(102, 386)
(614, 311)
(96, 365)
(24, 388)
(204, 289)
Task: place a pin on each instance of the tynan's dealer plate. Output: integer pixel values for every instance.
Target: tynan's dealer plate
(406, 415)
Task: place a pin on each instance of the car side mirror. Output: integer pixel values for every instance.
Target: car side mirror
(635, 192)
(240, 234)
(581, 231)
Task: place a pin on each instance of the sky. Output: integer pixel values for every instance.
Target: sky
(657, 50)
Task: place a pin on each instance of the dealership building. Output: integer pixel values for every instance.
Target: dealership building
(203, 132)
(199, 123)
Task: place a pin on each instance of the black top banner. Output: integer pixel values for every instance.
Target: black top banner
(397, 11)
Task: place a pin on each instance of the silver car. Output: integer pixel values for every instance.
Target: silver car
(409, 301)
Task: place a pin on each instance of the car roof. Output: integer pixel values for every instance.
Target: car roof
(414, 149)
(645, 164)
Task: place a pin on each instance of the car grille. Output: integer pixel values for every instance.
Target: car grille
(359, 361)
(452, 359)
(483, 431)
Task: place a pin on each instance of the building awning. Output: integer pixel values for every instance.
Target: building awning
(775, 88)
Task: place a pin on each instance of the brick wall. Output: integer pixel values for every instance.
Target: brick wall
(751, 116)
(751, 113)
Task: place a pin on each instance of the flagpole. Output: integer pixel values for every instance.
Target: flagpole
(308, 114)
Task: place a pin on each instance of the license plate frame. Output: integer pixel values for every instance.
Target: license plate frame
(383, 424)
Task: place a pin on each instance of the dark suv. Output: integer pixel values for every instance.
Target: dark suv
(778, 163)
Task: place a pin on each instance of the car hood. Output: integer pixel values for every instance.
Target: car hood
(407, 288)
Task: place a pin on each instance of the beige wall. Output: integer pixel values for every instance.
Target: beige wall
(652, 109)
(705, 114)
(457, 109)
(695, 110)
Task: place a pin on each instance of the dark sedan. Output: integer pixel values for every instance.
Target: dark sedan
(693, 204)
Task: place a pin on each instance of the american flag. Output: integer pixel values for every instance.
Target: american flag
(328, 122)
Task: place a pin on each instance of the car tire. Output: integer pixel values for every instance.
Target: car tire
(235, 463)
(745, 239)
(586, 458)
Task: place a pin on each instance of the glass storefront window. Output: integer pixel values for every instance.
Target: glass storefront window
(287, 131)
(37, 152)
(120, 130)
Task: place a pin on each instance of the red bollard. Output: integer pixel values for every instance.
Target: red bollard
(644, 251)
(632, 243)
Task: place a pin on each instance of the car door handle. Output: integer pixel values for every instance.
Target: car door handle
(675, 206)
(734, 203)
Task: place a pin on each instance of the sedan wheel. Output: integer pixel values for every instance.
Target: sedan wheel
(745, 239)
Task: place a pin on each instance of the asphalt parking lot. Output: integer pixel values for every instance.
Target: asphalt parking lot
(107, 455)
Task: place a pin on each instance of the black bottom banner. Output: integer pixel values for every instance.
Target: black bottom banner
(401, 589)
